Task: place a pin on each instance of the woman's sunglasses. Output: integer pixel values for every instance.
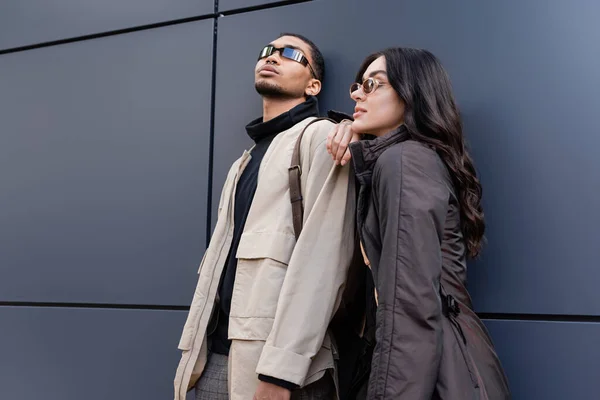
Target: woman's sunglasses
(289, 53)
(368, 86)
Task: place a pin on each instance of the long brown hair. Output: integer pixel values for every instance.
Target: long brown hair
(432, 117)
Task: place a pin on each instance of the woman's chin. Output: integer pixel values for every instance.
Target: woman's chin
(360, 126)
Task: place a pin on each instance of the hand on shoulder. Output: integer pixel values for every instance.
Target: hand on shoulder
(338, 140)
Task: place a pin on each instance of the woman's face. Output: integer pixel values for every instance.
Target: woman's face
(381, 110)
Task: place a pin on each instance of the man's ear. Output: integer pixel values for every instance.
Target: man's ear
(313, 87)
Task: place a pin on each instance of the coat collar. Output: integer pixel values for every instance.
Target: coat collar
(366, 152)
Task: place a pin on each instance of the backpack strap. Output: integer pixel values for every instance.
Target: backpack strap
(295, 172)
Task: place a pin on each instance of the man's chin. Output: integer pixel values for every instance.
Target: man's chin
(269, 89)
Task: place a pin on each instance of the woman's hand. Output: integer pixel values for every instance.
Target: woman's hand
(338, 140)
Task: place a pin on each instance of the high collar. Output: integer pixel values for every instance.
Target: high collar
(259, 130)
(366, 152)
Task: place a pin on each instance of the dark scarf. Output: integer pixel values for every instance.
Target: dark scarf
(259, 130)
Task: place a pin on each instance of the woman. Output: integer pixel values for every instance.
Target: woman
(420, 217)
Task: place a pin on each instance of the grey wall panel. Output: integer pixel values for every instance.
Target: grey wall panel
(104, 167)
(227, 5)
(94, 354)
(542, 186)
(27, 22)
(549, 360)
(525, 83)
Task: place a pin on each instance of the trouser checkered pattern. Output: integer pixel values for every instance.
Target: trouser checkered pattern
(212, 385)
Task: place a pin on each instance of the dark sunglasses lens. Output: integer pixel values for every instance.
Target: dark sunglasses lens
(288, 53)
(292, 54)
(369, 85)
(266, 52)
(354, 87)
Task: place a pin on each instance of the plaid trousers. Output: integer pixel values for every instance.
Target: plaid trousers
(212, 385)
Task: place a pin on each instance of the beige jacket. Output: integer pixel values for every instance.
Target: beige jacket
(285, 292)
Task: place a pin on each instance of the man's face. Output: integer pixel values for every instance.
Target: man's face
(279, 77)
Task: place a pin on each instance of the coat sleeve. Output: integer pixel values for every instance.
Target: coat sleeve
(317, 269)
(411, 203)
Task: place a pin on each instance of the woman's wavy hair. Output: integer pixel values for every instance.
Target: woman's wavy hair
(432, 117)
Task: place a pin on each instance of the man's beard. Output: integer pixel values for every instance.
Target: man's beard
(271, 90)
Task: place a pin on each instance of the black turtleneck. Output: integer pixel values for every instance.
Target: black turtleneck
(263, 134)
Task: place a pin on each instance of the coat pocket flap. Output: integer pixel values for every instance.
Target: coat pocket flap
(274, 245)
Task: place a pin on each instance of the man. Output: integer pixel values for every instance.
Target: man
(257, 327)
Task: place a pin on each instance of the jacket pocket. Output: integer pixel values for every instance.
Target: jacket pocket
(263, 258)
(275, 245)
(460, 340)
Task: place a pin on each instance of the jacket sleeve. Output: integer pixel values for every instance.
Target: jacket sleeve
(317, 269)
(411, 203)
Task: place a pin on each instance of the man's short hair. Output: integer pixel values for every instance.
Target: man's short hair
(318, 63)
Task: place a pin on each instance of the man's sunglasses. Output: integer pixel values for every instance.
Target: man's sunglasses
(289, 53)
